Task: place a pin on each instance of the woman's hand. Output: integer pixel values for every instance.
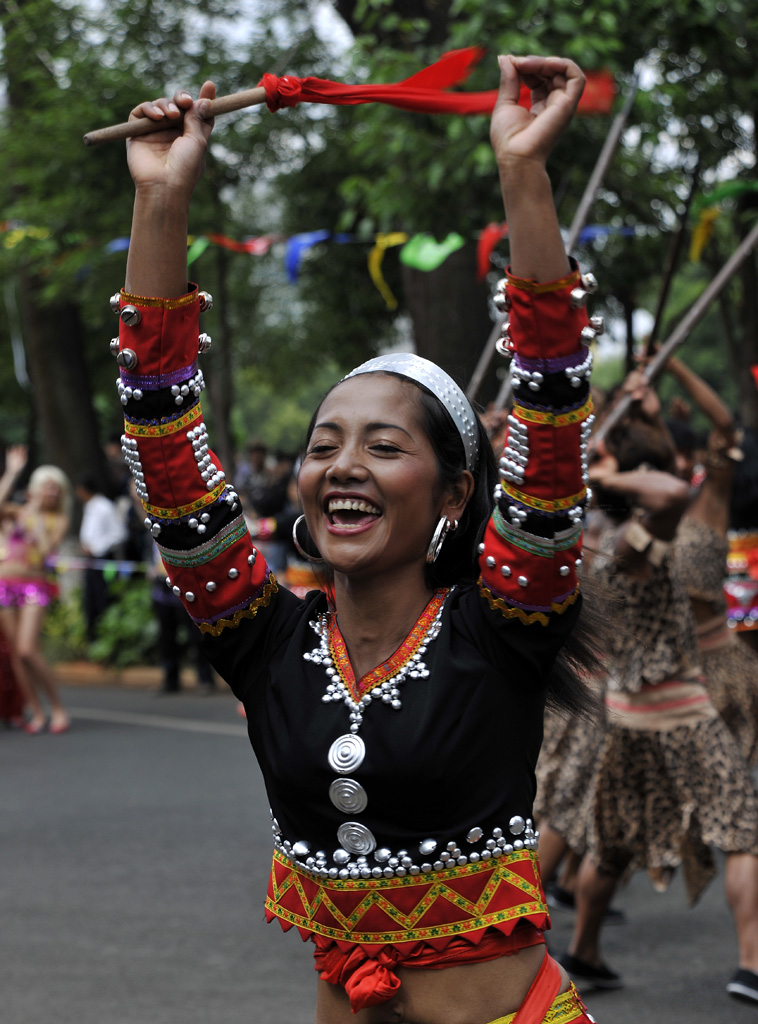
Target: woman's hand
(642, 393)
(556, 85)
(172, 159)
(602, 465)
(15, 459)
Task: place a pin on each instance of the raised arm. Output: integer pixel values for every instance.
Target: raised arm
(165, 168)
(15, 460)
(533, 542)
(659, 500)
(190, 509)
(523, 140)
(706, 399)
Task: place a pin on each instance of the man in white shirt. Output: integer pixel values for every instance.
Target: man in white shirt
(102, 531)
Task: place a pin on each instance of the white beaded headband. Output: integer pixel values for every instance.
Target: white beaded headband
(441, 385)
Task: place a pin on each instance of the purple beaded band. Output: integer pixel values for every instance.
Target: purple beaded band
(163, 380)
(557, 365)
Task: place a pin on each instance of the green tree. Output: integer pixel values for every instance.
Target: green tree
(396, 171)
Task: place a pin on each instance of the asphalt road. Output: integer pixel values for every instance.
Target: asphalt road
(133, 860)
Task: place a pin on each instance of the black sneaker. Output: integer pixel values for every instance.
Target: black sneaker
(744, 985)
(587, 974)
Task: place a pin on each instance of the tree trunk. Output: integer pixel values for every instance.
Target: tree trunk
(53, 333)
(451, 321)
(60, 381)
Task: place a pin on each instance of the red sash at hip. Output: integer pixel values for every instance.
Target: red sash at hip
(541, 995)
(370, 980)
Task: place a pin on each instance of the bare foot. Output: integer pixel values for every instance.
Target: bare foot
(59, 722)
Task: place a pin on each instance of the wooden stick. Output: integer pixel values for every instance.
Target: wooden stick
(683, 328)
(673, 260)
(485, 359)
(601, 166)
(146, 125)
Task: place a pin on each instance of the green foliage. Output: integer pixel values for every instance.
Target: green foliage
(126, 633)
(69, 67)
(64, 631)
(128, 630)
(279, 417)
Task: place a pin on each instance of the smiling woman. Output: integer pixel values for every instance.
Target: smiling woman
(371, 489)
(396, 721)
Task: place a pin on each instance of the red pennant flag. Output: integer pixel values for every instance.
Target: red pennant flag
(488, 239)
(754, 371)
(255, 246)
(599, 93)
(423, 92)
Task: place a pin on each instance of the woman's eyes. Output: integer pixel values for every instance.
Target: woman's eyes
(382, 447)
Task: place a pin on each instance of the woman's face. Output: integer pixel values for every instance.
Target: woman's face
(369, 482)
(49, 495)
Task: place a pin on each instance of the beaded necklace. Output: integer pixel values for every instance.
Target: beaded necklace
(383, 682)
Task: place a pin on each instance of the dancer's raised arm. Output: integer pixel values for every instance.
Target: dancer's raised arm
(532, 545)
(523, 140)
(165, 168)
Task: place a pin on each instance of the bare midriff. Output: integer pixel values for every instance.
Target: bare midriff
(465, 994)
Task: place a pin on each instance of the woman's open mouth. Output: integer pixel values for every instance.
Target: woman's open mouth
(351, 514)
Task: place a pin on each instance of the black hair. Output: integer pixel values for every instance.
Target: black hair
(684, 437)
(458, 559)
(635, 442)
(89, 483)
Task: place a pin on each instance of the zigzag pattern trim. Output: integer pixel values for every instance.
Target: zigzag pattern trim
(308, 902)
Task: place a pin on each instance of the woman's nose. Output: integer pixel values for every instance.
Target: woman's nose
(347, 465)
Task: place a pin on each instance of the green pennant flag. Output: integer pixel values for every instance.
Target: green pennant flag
(726, 190)
(197, 248)
(424, 252)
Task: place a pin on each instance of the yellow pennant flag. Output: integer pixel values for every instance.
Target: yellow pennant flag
(702, 232)
(383, 242)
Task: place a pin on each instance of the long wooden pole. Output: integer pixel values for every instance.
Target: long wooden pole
(146, 125)
(685, 325)
(485, 359)
(673, 260)
(601, 166)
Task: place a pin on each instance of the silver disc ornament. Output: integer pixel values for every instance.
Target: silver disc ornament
(356, 838)
(348, 796)
(347, 753)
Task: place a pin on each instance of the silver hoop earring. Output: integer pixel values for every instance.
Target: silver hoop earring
(300, 548)
(438, 538)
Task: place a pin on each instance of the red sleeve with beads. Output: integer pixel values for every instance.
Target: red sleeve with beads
(532, 544)
(191, 510)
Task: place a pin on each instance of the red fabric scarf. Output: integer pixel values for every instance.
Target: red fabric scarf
(424, 92)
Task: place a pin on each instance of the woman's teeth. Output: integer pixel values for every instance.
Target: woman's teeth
(352, 505)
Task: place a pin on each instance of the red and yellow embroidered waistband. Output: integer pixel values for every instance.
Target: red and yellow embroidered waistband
(463, 900)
